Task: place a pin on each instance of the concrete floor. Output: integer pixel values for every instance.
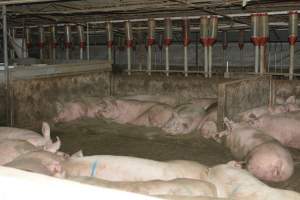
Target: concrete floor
(104, 137)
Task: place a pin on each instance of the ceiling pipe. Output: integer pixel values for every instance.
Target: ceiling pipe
(68, 42)
(150, 42)
(53, 41)
(110, 39)
(186, 42)
(168, 36)
(80, 31)
(41, 42)
(293, 34)
(129, 44)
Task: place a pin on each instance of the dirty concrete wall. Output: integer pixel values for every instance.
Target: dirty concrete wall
(180, 87)
(35, 100)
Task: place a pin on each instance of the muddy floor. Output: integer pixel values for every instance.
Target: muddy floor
(105, 137)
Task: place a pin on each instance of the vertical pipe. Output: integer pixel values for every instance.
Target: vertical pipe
(168, 35)
(53, 41)
(206, 61)
(41, 42)
(204, 41)
(293, 34)
(255, 38)
(13, 35)
(129, 42)
(256, 58)
(7, 75)
(150, 42)
(262, 59)
(167, 60)
(186, 42)
(149, 60)
(264, 36)
(292, 61)
(27, 41)
(81, 40)
(213, 31)
(225, 46)
(88, 41)
(109, 30)
(210, 61)
(67, 40)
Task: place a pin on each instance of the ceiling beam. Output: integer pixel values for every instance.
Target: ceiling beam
(14, 2)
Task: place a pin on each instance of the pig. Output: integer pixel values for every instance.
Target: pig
(235, 183)
(186, 119)
(208, 128)
(32, 137)
(11, 149)
(123, 168)
(285, 127)
(265, 157)
(178, 187)
(42, 162)
(171, 101)
(260, 111)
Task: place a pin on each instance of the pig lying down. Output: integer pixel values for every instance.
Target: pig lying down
(285, 127)
(222, 181)
(181, 119)
(123, 168)
(32, 137)
(177, 187)
(265, 157)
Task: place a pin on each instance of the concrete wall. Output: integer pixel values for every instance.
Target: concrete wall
(35, 100)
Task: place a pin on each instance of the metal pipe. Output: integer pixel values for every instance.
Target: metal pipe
(168, 36)
(292, 62)
(110, 39)
(256, 58)
(6, 68)
(293, 34)
(81, 40)
(12, 33)
(210, 61)
(27, 41)
(206, 61)
(88, 41)
(150, 42)
(129, 41)
(67, 40)
(41, 42)
(262, 59)
(186, 42)
(53, 41)
(167, 60)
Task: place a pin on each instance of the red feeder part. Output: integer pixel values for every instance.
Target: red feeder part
(150, 41)
(68, 45)
(109, 44)
(292, 40)
(241, 45)
(167, 41)
(28, 45)
(207, 41)
(255, 41)
(82, 45)
(186, 42)
(54, 45)
(129, 43)
(263, 41)
(40, 45)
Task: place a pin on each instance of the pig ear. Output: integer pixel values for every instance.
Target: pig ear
(275, 172)
(291, 100)
(77, 154)
(228, 123)
(54, 147)
(46, 130)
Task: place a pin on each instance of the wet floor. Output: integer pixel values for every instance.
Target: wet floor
(104, 137)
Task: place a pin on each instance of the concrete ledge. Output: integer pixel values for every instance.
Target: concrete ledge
(44, 70)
